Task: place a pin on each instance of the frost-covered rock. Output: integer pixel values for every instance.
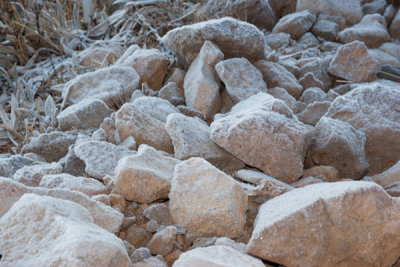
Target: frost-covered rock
(86, 114)
(264, 133)
(309, 80)
(354, 63)
(172, 92)
(206, 201)
(235, 38)
(392, 49)
(145, 177)
(282, 94)
(32, 175)
(191, 138)
(201, 86)
(395, 27)
(384, 58)
(319, 225)
(97, 56)
(391, 175)
(241, 78)
(159, 213)
(296, 24)
(312, 94)
(9, 165)
(326, 29)
(373, 109)
(313, 112)
(144, 119)
(46, 231)
(163, 241)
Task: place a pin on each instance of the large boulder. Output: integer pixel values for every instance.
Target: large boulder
(373, 109)
(329, 224)
(264, 133)
(296, 24)
(144, 119)
(206, 201)
(235, 38)
(46, 231)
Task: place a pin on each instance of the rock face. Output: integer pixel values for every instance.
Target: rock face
(352, 62)
(201, 85)
(144, 119)
(216, 256)
(191, 138)
(66, 232)
(107, 84)
(86, 114)
(379, 120)
(233, 37)
(349, 9)
(264, 133)
(241, 78)
(296, 24)
(338, 144)
(145, 177)
(206, 201)
(319, 225)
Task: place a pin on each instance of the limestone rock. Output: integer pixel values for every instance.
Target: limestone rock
(241, 78)
(263, 123)
(235, 38)
(296, 24)
(319, 225)
(352, 62)
(32, 175)
(206, 201)
(144, 119)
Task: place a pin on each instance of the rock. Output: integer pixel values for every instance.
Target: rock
(264, 123)
(159, 213)
(177, 77)
(373, 109)
(129, 143)
(144, 119)
(163, 241)
(283, 8)
(319, 67)
(32, 175)
(313, 112)
(318, 225)
(124, 59)
(392, 49)
(216, 256)
(394, 28)
(349, 9)
(391, 175)
(206, 201)
(145, 177)
(338, 144)
(371, 30)
(306, 181)
(201, 86)
(278, 40)
(150, 262)
(100, 158)
(9, 165)
(104, 216)
(312, 94)
(72, 164)
(308, 40)
(171, 91)
(296, 24)
(191, 138)
(383, 57)
(241, 78)
(52, 146)
(352, 62)
(256, 12)
(326, 29)
(137, 236)
(140, 254)
(377, 6)
(86, 114)
(276, 75)
(150, 64)
(66, 232)
(282, 94)
(108, 125)
(97, 56)
(152, 226)
(88, 186)
(324, 173)
(108, 84)
(393, 189)
(190, 112)
(224, 241)
(309, 80)
(235, 38)
(99, 135)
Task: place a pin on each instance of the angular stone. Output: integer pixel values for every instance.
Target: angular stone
(326, 29)
(309, 80)
(296, 24)
(108, 125)
(395, 27)
(144, 119)
(97, 56)
(391, 175)
(282, 94)
(72, 164)
(377, 6)
(159, 213)
(9, 165)
(325, 173)
(52, 146)
(66, 232)
(171, 91)
(241, 78)
(201, 81)
(235, 38)
(275, 75)
(137, 236)
(163, 241)
(86, 114)
(108, 84)
(145, 177)
(392, 49)
(263, 123)
(313, 112)
(384, 58)
(206, 201)
(191, 138)
(306, 181)
(278, 40)
(32, 175)
(373, 109)
(319, 225)
(352, 62)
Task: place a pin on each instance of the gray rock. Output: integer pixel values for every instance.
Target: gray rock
(32, 175)
(159, 213)
(282, 94)
(374, 7)
(326, 29)
(309, 80)
(296, 24)
(313, 112)
(72, 164)
(278, 40)
(9, 165)
(312, 94)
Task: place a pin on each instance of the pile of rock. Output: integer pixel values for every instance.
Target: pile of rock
(254, 149)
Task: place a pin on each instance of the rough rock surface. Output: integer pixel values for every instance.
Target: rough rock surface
(296, 24)
(313, 112)
(206, 201)
(389, 176)
(162, 242)
(235, 38)
(263, 123)
(59, 233)
(395, 27)
(319, 225)
(9, 165)
(32, 175)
